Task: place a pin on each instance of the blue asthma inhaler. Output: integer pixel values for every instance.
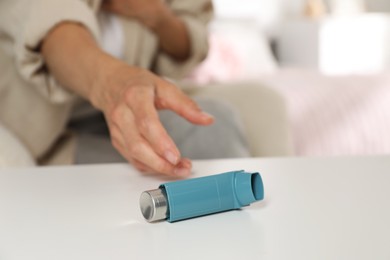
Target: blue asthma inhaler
(178, 200)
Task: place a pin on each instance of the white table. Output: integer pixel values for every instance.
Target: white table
(335, 208)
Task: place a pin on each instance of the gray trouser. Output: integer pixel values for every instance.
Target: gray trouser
(225, 138)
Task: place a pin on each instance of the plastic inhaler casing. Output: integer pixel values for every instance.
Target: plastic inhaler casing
(190, 198)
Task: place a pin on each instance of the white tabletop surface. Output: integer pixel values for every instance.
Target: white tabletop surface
(330, 208)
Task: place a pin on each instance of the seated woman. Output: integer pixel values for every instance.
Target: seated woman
(53, 56)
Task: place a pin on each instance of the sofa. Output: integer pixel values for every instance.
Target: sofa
(262, 110)
(12, 151)
(239, 56)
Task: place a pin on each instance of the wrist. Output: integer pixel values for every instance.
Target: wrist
(104, 68)
(112, 75)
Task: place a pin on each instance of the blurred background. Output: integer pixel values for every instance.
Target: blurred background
(330, 59)
(337, 36)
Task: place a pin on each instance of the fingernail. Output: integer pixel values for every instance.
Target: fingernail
(187, 163)
(206, 115)
(182, 171)
(171, 157)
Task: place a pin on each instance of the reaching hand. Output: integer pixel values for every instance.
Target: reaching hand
(129, 99)
(128, 96)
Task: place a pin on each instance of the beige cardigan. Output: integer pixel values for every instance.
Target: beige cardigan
(32, 104)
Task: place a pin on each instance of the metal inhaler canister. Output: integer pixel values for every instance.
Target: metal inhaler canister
(190, 198)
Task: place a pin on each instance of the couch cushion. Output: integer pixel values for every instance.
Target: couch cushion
(12, 151)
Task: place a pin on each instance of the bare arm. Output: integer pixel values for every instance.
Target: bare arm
(128, 96)
(170, 29)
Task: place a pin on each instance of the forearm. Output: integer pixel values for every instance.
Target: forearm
(157, 16)
(128, 96)
(173, 35)
(74, 58)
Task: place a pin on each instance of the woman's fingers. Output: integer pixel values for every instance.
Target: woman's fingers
(134, 147)
(119, 143)
(183, 168)
(170, 97)
(148, 124)
(130, 102)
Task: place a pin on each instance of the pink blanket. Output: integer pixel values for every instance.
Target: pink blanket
(343, 115)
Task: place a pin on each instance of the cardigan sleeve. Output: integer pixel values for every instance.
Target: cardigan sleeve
(195, 15)
(25, 23)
